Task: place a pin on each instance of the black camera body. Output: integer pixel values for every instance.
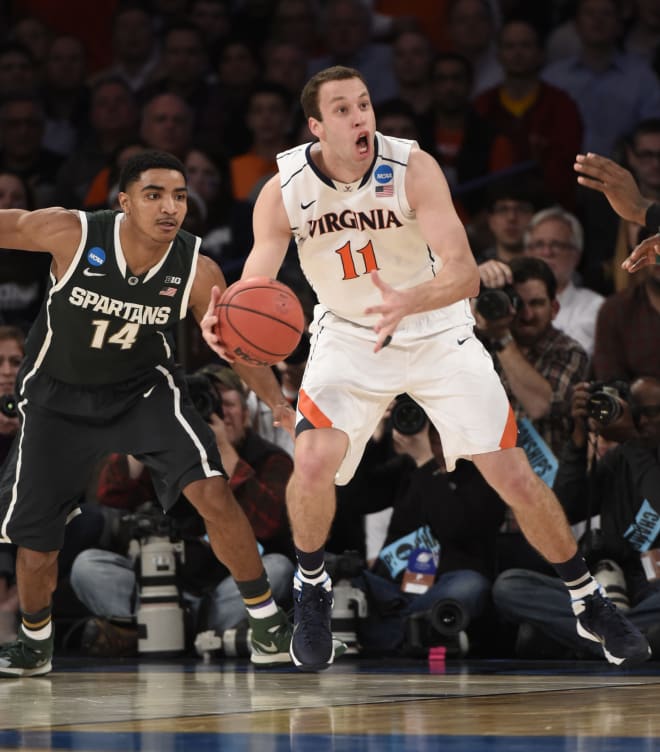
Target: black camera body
(407, 417)
(496, 302)
(204, 396)
(606, 402)
(9, 406)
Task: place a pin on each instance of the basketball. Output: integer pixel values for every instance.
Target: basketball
(260, 321)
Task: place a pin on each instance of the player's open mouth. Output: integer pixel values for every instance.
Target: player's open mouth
(167, 224)
(363, 143)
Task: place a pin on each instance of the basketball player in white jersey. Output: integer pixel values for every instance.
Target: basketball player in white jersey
(382, 246)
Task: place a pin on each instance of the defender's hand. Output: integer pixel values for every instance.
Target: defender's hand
(208, 324)
(647, 253)
(615, 182)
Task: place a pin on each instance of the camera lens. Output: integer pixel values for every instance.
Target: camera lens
(604, 407)
(8, 406)
(407, 416)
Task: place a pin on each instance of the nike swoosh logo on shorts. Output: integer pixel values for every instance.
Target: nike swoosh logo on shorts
(149, 391)
(306, 206)
(89, 273)
(462, 341)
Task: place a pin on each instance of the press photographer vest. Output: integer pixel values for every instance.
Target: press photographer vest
(100, 324)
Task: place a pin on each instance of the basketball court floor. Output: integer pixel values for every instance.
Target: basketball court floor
(355, 706)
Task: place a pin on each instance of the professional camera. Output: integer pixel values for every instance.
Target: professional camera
(443, 624)
(349, 604)
(606, 402)
(157, 551)
(204, 396)
(8, 406)
(407, 417)
(496, 302)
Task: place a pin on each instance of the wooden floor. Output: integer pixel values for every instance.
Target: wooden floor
(357, 705)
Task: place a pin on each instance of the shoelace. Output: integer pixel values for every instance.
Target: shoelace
(314, 600)
(614, 617)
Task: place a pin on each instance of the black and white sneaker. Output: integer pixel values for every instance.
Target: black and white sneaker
(599, 620)
(312, 645)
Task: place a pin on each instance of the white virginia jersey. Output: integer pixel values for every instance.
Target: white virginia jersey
(346, 230)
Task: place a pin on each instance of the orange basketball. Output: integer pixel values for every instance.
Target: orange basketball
(260, 321)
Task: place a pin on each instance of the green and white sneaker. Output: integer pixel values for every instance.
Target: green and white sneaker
(270, 639)
(26, 657)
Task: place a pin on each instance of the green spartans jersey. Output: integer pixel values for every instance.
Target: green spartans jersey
(99, 323)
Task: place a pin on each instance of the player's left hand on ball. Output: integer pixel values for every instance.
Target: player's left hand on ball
(284, 416)
(208, 326)
(391, 310)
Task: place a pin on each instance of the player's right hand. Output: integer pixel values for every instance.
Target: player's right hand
(208, 325)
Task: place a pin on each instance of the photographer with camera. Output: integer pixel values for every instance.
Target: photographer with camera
(623, 486)
(432, 577)
(258, 472)
(538, 364)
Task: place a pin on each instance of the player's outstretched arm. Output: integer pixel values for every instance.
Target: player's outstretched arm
(615, 182)
(272, 233)
(647, 253)
(54, 230)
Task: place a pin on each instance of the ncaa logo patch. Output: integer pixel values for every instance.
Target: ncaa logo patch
(96, 256)
(383, 174)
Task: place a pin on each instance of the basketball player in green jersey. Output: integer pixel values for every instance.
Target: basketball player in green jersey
(99, 376)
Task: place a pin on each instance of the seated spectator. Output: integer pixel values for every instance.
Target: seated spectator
(412, 62)
(396, 118)
(555, 236)
(18, 71)
(23, 276)
(167, 124)
(113, 122)
(626, 344)
(633, 90)
(510, 206)
(541, 121)
(258, 473)
(22, 123)
(135, 55)
(624, 488)
(465, 145)
(433, 520)
(227, 232)
(104, 188)
(185, 71)
(213, 19)
(65, 94)
(472, 32)
(346, 28)
(239, 71)
(268, 120)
